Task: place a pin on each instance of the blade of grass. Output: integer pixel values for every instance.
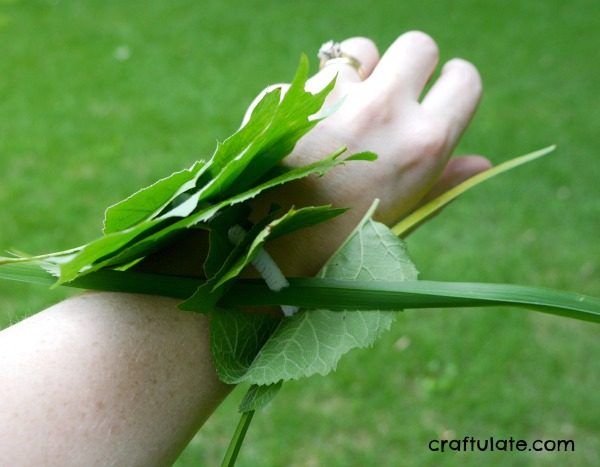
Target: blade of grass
(107, 280)
(428, 209)
(341, 295)
(335, 294)
(24, 258)
(237, 439)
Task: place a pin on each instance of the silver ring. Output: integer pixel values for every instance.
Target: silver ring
(330, 53)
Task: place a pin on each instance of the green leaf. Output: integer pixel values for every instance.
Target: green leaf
(312, 342)
(258, 396)
(291, 117)
(31, 273)
(84, 261)
(294, 219)
(235, 338)
(157, 239)
(149, 201)
(206, 296)
(267, 146)
(257, 124)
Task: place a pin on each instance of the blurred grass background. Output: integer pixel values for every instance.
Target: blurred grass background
(98, 98)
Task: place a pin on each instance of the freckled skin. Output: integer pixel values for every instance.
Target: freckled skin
(109, 379)
(128, 369)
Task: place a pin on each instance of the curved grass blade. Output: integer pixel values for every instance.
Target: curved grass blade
(428, 209)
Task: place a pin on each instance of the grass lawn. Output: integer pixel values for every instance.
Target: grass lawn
(101, 97)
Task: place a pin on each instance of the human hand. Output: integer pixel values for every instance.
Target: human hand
(383, 113)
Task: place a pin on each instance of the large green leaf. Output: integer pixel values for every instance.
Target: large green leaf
(150, 201)
(290, 121)
(312, 342)
(235, 337)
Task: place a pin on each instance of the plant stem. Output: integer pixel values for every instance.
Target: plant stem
(237, 439)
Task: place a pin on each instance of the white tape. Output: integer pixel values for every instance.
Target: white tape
(266, 267)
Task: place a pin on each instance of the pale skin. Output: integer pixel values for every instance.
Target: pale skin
(122, 379)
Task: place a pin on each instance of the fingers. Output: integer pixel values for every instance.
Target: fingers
(455, 96)
(406, 66)
(457, 171)
(362, 49)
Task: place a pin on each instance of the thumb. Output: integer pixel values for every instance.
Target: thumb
(457, 171)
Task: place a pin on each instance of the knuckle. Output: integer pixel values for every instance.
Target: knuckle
(358, 124)
(430, 139)
(373, 110)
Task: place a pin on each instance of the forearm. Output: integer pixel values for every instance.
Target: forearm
(105, 379)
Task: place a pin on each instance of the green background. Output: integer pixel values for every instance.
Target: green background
(98, 98)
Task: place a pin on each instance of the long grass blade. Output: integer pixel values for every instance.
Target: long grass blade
(377, 295)
(428, 209)
(107, 280)
(335, 294)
